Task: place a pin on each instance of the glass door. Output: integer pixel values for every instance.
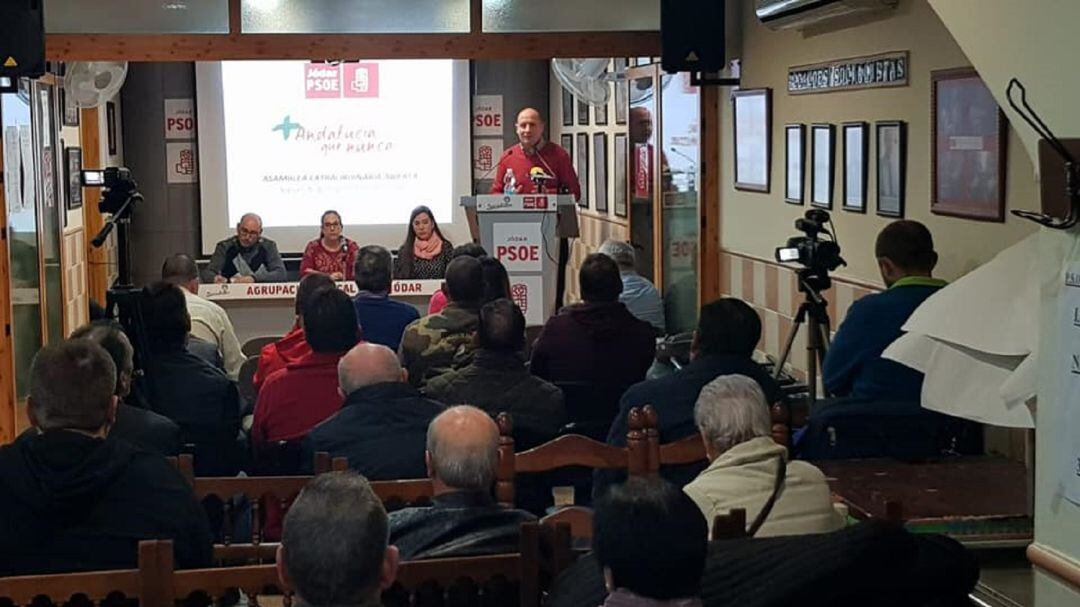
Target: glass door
(50, 204)
(679, 202)
(643, 175)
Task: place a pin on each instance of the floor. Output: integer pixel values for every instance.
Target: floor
(1006, 579)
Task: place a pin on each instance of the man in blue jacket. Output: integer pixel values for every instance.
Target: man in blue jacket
(854, 366)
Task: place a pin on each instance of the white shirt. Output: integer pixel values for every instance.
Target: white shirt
(210, 322)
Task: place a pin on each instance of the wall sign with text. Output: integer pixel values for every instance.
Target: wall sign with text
(873, 71)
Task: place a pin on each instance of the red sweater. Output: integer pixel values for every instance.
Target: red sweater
(317, 259)
(551, 157)
(275, 356)
(295, 399)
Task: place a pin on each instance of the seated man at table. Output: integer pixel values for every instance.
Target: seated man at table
(294, 399)
(728, 330)
(209, 322)
(77, 499)
(430, 344)
(246, 257)
(382, 320)
(380, 429)
(496, 380)
(853, 366)
(199, 397)
(748, 470)
(463, 520)
(335, 549)
(293, 346)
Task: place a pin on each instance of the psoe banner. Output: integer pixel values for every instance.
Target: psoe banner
(488, 116)
(528, 293)
(179, 119)
(519, 246)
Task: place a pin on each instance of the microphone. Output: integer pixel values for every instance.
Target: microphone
(539, 176)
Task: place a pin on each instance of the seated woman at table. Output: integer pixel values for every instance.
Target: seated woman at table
(426, 252)
(331, 253)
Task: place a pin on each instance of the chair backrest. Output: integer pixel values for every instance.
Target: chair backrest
(245, 381)
(592, 403)
(254, 346)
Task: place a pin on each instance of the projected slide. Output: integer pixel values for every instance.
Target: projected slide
(371, 139)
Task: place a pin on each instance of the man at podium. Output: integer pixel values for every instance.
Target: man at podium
(535, 165)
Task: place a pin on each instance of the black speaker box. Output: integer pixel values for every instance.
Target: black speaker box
(692, 35)
(22, 38)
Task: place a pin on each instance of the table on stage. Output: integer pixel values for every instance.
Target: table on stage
(268, 308)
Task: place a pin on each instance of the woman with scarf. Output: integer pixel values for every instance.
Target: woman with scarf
(425, 253)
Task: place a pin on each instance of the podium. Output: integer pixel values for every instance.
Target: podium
(522, 231)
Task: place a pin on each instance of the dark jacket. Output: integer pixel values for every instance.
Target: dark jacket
(381, 429)
(497, 382)
(77, 503)
(854, 367)
(873, 563)
(146, 430)
(203, 402)
(674, 396)
(597, 342)
(263, 259)
(383, 320)
(430, 344)
(463, 523)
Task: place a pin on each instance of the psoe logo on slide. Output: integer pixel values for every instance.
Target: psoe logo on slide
(361, 79)
(322, 81)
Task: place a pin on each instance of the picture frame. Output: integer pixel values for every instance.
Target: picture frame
(969, 135)
(795, 162)
(856, 151)
(600, 115)
(622, 174)
(752, 125)
(622, 91)
(581, 152)
(822, 156)
(583, 112)
(567, 107)
(69, 111)
(73, 175)
(110, 126)
(566, 140)
(600, 174)
(890, 142)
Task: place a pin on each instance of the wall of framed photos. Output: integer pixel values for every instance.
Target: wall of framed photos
(754, 221)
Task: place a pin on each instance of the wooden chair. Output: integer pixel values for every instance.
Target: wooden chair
(245, 381)
(254, 346)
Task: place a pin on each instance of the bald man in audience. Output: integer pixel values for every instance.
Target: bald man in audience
(381, 426)
(463, 520)
(247, 257)
(76, 499)
(209, 322)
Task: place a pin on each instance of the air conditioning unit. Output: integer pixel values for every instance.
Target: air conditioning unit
(789, 14)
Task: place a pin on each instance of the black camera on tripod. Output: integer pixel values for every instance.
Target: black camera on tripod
(810, 251)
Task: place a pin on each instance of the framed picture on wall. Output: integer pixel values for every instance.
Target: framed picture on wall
(566, 140)
(856, 155)
(622, 182)
(795, 160)
(968, 147)
(70, 110)
(752, 117)
(567, 107)
(73, 174)
(110, 126)
(822, 151)
(600, 174)
(891, 137)
(600, 114)
(622, 91)
(583, 112)
(581, 152)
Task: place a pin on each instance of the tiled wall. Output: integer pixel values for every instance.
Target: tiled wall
(594, 231)
(773, 292)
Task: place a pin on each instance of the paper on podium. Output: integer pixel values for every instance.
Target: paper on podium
(975, 340)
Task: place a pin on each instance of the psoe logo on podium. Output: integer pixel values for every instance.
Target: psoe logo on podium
(361, 79)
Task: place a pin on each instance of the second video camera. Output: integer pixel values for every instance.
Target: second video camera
(810, 251)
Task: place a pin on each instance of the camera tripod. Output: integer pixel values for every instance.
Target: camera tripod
(813, 313)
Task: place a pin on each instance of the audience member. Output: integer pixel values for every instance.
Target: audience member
(425, 254)
(76, 499)
(293, 346)
(728, 330)
(748, 470)
(638, 294)
(650, 542)
(335, 551)
(140, 427)
(853, 365)
(596, 341)
(185, 388)
(438, 300)
(430, 344)
(496, 380)
(246, 257)
(463, 520)
(382, 320)
(209, 322)
(496, 279)
(294, 399)
(380, 428)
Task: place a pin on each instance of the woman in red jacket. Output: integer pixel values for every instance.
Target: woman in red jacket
(331, 253)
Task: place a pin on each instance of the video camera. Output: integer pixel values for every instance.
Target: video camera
(118, 187)
(816, 255)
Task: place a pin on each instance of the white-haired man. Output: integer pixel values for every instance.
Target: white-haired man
(638, 294)
(746, 467)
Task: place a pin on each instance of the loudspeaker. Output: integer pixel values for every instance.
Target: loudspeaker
(22, 38)
(692, 35)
